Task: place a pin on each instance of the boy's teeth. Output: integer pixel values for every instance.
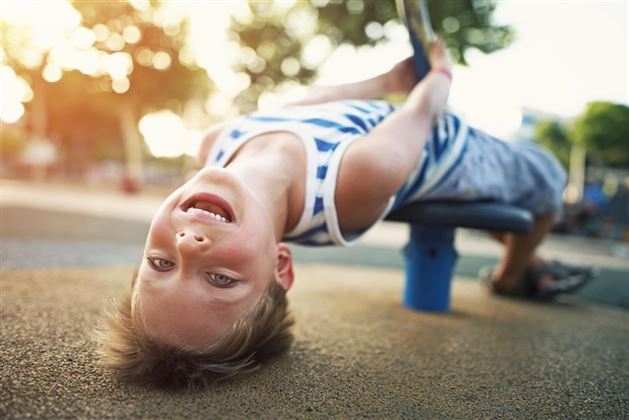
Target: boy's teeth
(213, 215)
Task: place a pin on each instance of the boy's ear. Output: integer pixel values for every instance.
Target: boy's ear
(284, 268)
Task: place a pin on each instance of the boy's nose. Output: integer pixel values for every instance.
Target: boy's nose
(192, 240)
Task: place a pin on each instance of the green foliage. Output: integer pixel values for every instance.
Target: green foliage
(554, 136)
(604, 129)
(275, 34)
(462, 24)
(266, 45)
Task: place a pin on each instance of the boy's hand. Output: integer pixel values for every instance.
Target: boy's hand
(402, 78)
(439, 57)
(431, 95)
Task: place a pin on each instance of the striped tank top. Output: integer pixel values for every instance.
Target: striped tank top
(326, 131)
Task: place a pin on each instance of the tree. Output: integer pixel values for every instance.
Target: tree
(268, 46)
(603, 128)
(554, 136)
(463, 23)
(119, 64)
(274, 38)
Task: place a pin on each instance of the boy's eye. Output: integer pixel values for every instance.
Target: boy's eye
(160, 264)
(220, 280)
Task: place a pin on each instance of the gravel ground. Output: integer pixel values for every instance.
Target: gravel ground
(358, 353)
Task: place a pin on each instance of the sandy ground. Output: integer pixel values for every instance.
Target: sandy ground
(358, 353)
(67, 251)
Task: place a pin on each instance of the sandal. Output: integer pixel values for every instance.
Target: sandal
(559, 269)
(566, 279)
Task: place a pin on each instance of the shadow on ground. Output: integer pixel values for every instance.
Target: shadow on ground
(358, 353)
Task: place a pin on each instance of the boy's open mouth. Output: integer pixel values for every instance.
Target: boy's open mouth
(209, 205)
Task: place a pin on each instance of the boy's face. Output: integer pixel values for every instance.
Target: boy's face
(209, 255)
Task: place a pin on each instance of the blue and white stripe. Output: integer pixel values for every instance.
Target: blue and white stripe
(326, 131)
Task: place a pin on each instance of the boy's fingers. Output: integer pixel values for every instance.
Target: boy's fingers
(438, 44)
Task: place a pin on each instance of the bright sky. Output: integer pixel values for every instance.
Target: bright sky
(566, 54)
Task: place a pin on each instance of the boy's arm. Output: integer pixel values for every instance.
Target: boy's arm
(400, 79)
(375, 167)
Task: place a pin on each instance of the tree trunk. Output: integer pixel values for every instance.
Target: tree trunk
(132, 143)
(577, 171)
(39, 123)
(39, 113)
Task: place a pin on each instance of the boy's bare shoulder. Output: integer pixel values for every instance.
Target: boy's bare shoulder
(209, 139)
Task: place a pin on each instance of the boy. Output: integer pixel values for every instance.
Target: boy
(209, 299)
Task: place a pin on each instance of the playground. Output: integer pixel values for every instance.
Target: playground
(358, 352)
(459, 301)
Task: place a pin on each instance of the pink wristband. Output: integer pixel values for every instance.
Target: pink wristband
(443, 71)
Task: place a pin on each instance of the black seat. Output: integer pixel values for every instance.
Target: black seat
(482, 215)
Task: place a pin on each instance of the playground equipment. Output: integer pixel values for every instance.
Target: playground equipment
(415, 15)
(430, 254)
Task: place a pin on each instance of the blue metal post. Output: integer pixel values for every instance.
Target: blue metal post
(430, 259)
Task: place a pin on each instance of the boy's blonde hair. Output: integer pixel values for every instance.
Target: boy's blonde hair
(125, 347)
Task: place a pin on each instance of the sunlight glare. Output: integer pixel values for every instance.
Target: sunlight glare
(316, 51)
(169, 16)
(101, 32)
(161, 60)
(10, 112)
(166, 135)
(121, 85)
(300, 23)
(82, 38)
(336, 68)
(210, 45)
(52, 73)
(131, 34)
(115, 42)
(219, 104)
(140, 4)
(89, 62)
(49, 25)
(14, 91)
(62, 55)
(119, 65)
(13, 86)
(290, 66)
(144, 56)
